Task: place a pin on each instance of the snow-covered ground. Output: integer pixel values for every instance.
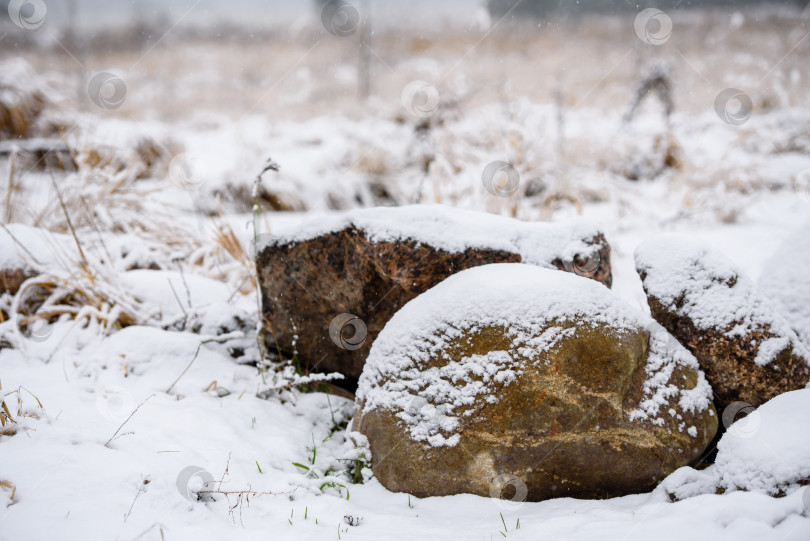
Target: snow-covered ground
(119, 428)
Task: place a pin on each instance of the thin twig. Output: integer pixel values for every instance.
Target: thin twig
(249, 492)
(93, 224)
(141, 490)
(10, 193)
(230, 336)
(225, 472)
(177, 298)
(127, 420)
(69, 223)
(20, 244)
(185, 283)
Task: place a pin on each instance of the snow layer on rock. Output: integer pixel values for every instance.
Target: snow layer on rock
(785, 280)
(696, 281)
(455, 230)
(537, 307)
(666, 354)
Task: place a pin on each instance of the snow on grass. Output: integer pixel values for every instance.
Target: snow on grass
(22, 247)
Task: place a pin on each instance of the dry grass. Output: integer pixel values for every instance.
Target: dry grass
(10, 423)
(22, 100)
(113, 222)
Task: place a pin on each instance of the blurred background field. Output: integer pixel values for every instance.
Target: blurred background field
(599, 112)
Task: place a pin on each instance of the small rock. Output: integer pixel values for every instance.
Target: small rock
(747, 350)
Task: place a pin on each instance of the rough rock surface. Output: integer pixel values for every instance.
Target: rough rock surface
(329, 286)
(747, 350)
(540, 378)
(785, 281)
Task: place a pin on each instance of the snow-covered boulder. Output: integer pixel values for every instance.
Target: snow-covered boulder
(544, 378)
(330, 285)
(769, 449)
(766, 451)
(747, 350)
(785, 280)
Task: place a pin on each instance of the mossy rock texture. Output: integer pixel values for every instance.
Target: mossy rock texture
(508, 371)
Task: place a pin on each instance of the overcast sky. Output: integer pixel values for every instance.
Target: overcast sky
(196, 11)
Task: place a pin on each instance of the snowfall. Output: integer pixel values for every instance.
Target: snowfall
(161, 426)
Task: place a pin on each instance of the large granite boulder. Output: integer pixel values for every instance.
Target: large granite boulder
(329, 286)
(747, 350)
(542, 379)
